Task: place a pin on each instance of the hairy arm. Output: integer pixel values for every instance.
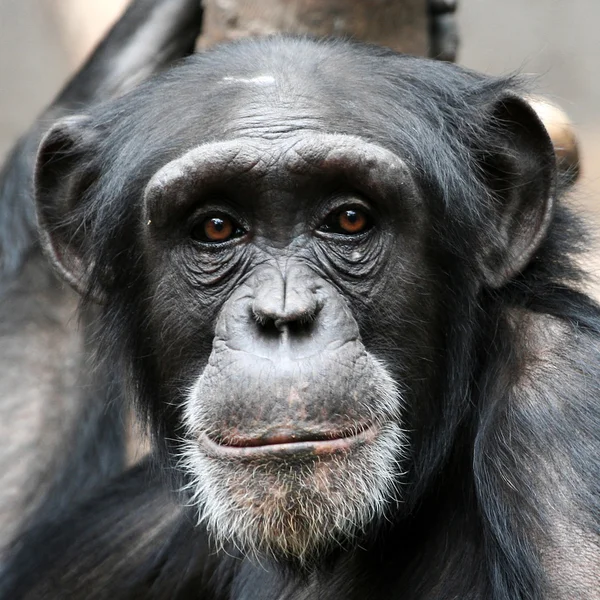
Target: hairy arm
(132, 540)
(537, 461)
(149, 36)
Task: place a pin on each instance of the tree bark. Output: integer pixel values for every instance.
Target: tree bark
(399, 24)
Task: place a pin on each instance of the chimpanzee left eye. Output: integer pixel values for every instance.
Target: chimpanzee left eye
(347, 221)
(216, 229)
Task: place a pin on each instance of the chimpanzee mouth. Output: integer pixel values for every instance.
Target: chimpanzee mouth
(285, 442)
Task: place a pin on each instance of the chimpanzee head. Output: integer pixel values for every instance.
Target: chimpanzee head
(284, 237)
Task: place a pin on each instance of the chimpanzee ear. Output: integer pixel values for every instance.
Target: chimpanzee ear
(61, 177)
(519, 165)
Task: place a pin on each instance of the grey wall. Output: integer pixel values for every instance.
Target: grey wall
(33, 64)
(560, 41)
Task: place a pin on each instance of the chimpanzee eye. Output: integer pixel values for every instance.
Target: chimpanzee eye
(347, 221)
(216, 229)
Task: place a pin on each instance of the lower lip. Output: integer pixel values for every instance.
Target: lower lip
(307, 447)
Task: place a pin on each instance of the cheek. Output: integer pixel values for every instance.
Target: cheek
(188, 290)
(403, 322)
(180, 328)
(354, 267)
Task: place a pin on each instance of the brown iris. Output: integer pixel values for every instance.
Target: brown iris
(351, 221)
(218, 229)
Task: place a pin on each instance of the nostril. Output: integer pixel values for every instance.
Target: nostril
(297, 324)
(278, 331)
(266, 325)
(300, 325)
(289, 315)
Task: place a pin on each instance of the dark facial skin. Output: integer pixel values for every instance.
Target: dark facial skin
(264, 260)
(268, 247)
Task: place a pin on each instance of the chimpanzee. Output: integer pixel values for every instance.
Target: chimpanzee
(340, 284)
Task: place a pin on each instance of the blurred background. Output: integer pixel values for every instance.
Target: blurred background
(43, 41)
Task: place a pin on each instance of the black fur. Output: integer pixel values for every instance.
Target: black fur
(502, 496)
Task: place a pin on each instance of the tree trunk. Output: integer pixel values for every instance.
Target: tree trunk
(399, 24)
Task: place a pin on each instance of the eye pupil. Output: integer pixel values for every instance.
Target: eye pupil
(217, 225)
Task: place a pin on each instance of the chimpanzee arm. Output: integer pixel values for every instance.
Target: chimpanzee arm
(131, 541)
(536, 458)
(148, 37)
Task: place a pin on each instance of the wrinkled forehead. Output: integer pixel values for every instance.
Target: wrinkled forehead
(246, 161)
(270, 104)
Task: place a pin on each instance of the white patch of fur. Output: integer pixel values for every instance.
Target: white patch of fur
(258, 80)
(297, 511)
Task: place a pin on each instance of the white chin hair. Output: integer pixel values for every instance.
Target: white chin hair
(296, 510)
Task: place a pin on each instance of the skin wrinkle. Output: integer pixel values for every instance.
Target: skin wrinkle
(169, 172)
(333, 345)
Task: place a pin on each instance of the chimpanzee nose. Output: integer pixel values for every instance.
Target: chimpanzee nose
(294, 314)
(287, 302)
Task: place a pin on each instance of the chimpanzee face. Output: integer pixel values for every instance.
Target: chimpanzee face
(269, 248)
